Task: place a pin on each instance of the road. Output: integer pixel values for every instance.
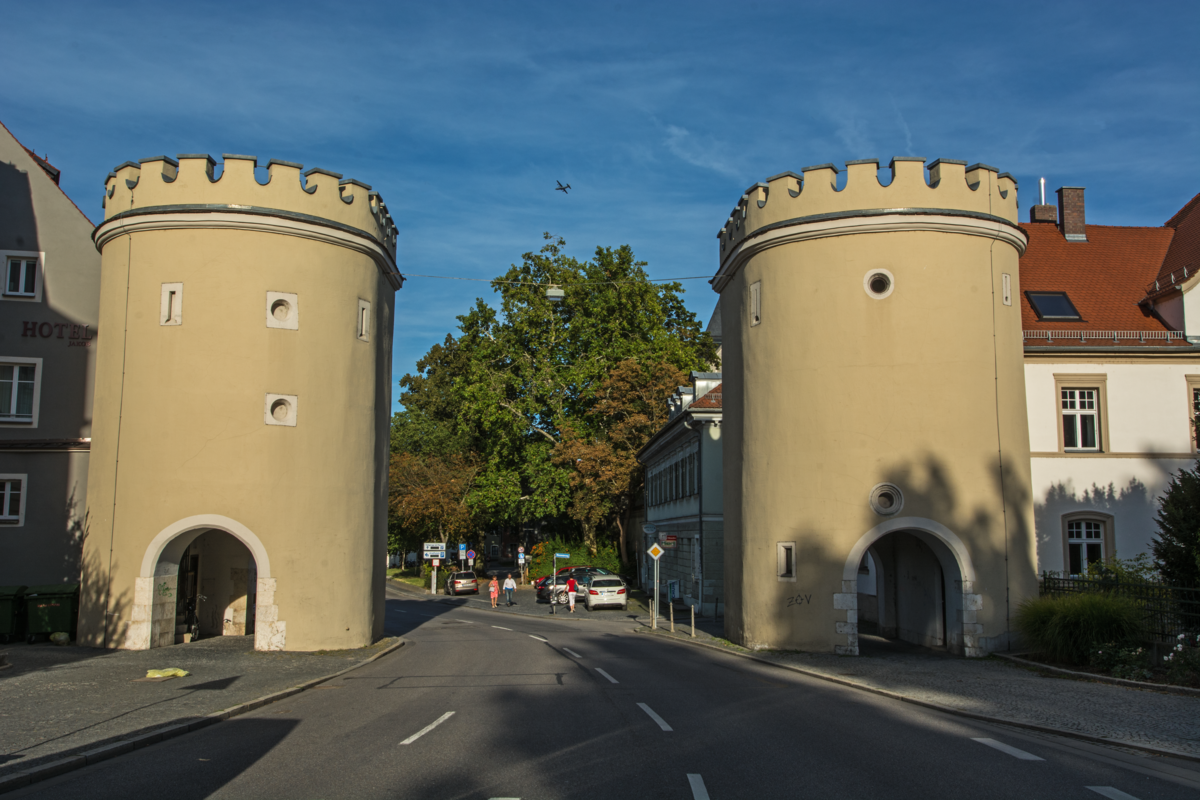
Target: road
(484, 705)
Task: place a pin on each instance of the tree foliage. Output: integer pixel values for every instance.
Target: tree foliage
(1176, 546)
(428, 493)
(517, 388)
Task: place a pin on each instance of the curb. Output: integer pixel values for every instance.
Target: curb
(1154, 687)
(1158, 751)
(52, 769)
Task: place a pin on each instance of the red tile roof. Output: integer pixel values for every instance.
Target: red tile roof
(708, 401)
(1185, 247)
(1105, 277)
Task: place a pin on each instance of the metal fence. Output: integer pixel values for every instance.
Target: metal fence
(1169, 610)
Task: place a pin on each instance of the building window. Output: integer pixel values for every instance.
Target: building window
(1088, 539)
(1006, 289)
(22, 275)
(1193, 387)
(170, 307)
(283, 310)
(785, 554)
(755, 303)
(1053, 306)
(280, 409)
(363, 322)
(1085, 545)
(20, 383)
(12, 510)
(1080, 417)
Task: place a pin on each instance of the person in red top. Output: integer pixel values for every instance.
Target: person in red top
(571, 593)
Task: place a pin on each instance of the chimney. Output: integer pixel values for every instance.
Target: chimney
(1043, 213)
(1070, 213)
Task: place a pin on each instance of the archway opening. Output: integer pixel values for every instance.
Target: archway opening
(910, 588)
(209, 572)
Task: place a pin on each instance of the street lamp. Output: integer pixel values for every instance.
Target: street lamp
(555, 294)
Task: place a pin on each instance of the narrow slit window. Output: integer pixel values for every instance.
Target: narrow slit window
(755, 303)
(171, 306)
(786, 557)
(364, 321)
(1006, 288)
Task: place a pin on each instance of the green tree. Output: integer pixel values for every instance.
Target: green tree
(514, 380)
(1176, 546)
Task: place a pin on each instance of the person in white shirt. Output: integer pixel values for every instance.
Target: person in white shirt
(509, 587)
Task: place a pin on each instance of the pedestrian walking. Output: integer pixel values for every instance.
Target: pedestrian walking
(510, 586)
(494, 591)
(571, 593)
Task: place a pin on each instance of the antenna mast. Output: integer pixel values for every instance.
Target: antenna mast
(1043, 191)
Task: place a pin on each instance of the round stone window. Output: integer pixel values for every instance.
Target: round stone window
(280, 409)
(879, 283)
(886, 499)
(281, 309)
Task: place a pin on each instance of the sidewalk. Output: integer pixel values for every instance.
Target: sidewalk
(59, 701)
(1001, 691)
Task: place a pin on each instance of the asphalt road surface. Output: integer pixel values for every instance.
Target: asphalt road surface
(484, 705)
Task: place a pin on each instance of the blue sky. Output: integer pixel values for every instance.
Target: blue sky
(659, 114)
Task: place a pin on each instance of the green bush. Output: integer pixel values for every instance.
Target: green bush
(1070, 628)
(541, 557)
(1122, 662)
(1183, 662)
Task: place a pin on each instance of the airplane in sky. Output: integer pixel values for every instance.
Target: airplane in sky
(562, 188)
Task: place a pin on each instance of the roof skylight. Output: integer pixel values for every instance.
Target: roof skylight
(1053, 306)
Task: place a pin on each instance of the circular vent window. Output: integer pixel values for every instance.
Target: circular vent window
(280, 409)
(886, 499)
(879, 283)
(281, 309)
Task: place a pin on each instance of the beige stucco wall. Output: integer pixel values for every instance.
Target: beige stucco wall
(836, 391)
(180, 428)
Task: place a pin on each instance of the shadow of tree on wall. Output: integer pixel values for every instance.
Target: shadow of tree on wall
(1127, 505)
(94, 598)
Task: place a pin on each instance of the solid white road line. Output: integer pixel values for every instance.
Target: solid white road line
(662, 723)
(501, 627)
(611, 679)
(540, 639)
(697, 784)
(1012, 751)
(1111, 793)
(572, 652)
(428, 727)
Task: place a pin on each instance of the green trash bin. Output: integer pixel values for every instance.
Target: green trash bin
(51, 609)
(12, 620)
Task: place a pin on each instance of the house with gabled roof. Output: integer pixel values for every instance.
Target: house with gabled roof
(1112, 373)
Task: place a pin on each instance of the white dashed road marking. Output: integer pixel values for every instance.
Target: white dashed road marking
(428, 727)
(1111, 793)
(540, 639)
(697, 784)
(501, 627)
(572, 652)
(611, 679)
(1012, 751)
(662, 723)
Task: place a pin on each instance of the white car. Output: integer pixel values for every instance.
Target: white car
(606, 590)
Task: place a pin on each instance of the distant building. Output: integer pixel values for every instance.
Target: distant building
(683, 498)
(49, 303)
(1111, 322)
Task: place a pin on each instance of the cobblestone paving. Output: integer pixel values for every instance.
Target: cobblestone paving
(58, 700)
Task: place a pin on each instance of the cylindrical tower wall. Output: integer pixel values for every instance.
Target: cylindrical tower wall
(832, 389)
(248, 379)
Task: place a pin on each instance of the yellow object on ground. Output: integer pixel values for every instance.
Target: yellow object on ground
(173, 672)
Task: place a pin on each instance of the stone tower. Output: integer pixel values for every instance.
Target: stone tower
(876, 447)
(224, 303)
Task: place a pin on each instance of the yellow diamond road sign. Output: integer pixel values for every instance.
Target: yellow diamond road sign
(655, 551)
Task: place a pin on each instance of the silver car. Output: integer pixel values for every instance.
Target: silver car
(606, 590)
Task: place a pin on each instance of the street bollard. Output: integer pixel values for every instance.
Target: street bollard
(672, 607)
(693, 622)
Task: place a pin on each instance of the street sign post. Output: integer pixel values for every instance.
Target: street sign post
(670, 541)
(656, 553)
(462, 551)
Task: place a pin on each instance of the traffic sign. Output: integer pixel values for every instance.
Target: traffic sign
(434, 554)
(471, 554)
(435, 546)
(648, 528)
(562, 555)
(670, 541)
(437, 562)
(462, 546)
(520, 556)
(520, 549)
(655, 551)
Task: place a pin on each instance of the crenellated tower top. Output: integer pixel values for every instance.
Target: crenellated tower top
(189, 185)
(953, 189)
